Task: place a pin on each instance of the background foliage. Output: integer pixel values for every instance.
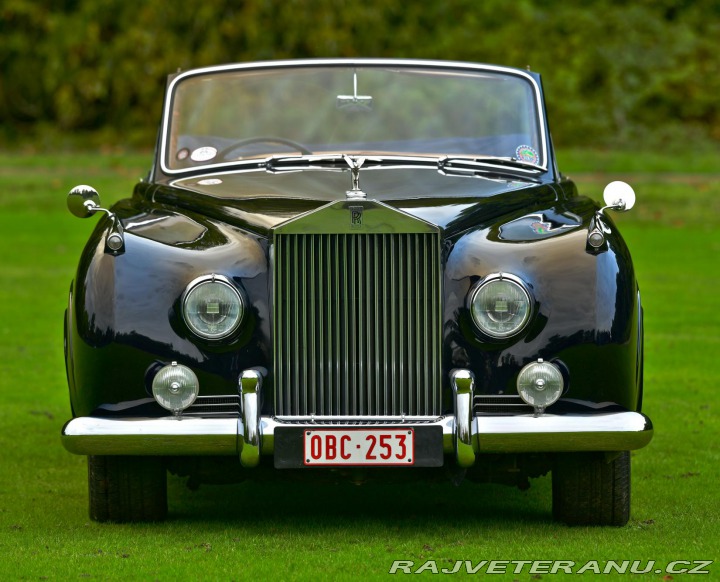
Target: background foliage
(640, 74)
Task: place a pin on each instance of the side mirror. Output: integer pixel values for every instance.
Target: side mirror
(619, 196)
(83, 201)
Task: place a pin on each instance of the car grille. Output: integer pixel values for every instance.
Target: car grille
(357, 325)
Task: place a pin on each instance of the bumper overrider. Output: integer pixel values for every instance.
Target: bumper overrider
(251, 435)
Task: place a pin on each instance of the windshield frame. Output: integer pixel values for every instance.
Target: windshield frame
(164, 137)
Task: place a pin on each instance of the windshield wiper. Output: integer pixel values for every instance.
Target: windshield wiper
(485, 161)
(293, 163)
(490, 166)
(340, 162)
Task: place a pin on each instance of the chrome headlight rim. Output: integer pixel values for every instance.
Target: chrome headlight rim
(521, 285)
(237, 293)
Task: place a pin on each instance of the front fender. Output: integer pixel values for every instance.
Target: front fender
(124, 313)
(587, 313)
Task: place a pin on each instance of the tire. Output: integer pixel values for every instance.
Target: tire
(590, 490)
(127, 488)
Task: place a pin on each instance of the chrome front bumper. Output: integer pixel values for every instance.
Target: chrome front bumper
(250, 435)
(225, 436)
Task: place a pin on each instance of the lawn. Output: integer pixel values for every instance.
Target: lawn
(294, 531)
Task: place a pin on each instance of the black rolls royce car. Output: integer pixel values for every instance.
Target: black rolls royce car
(364, 268)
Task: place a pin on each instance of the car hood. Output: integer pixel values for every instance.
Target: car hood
(260, 201)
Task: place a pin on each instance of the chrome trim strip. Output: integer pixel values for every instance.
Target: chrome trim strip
(618, 431)
(408, 63)
(355, 419)
(249, 387)
(615, 431)
(333, 219)
(87, 435)
(394, 161)
(463, 386)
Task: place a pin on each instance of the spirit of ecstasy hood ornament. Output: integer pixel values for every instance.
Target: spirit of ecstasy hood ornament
(355, 164)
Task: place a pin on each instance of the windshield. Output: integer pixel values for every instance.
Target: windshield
(225, 115)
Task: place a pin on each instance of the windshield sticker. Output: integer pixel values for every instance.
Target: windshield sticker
(526, 153)
(210, 182)
(183, 154)
(203, 154)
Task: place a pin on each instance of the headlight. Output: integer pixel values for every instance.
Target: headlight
(212, 307)
(500, 305)
(540, 384)
(175, 387)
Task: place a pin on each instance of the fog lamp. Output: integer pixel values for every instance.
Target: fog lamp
(540, 384)
(175, 387)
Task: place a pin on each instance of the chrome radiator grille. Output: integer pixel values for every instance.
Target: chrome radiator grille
(357, 325)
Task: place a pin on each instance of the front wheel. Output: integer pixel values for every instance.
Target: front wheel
(589, 489)
(127, 488)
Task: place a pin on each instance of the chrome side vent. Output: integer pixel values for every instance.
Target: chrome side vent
(357, 324)
(503, 405)
(215, 406)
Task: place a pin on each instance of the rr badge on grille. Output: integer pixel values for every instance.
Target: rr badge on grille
(356, 216)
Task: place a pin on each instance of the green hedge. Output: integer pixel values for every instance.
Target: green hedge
(639, 74)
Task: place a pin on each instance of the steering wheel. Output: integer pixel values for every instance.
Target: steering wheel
(264, 139)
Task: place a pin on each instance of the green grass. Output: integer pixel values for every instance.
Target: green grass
(297, 531)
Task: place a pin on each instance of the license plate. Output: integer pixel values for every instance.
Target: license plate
(359, 447)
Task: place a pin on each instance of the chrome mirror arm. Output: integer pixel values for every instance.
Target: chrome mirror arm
(618, 206)
(93, 207)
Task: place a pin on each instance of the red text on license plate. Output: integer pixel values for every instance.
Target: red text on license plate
(359, 447)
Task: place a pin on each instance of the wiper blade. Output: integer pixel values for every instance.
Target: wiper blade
(490, 162)
(336, 162)
(490, 167)
(303, 162)
(339, 162)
